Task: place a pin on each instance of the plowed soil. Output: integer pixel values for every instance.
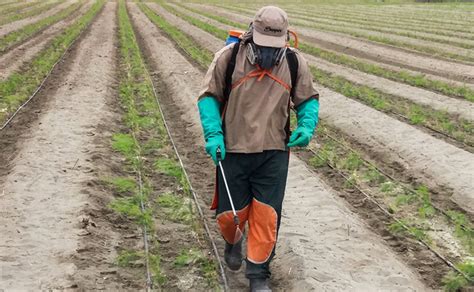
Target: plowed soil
(433, 161)
(380, 53)
(298, 265)
(48, 201)
(12, 26)
(12, 60)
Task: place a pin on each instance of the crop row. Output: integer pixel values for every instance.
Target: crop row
(417, 197)
(20, 85)
(18, 36)
(418, 80)
(457, 128)
(29, 13)
(382, 39)
(146, 148)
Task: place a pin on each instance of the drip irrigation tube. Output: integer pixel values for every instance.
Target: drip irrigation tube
(195, 195)
(387, 213)
(368, 163)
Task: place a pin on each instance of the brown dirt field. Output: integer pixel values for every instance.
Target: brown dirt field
(17, 57)
(376, 52)
(12, 26)
(424, 157)
(301, 258)
(54, 235)
(454, 106)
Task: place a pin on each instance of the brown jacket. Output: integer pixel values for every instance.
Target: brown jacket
(257, 109)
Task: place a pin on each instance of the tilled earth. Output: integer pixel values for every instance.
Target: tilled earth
(59, 233)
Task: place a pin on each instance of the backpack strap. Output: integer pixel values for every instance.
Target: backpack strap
(230, 71)
(293, 64)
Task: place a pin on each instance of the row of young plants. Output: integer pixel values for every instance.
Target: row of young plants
(18, 87)
(26, 10)
(33, 11)
(418, 80)
(409, 203)
(18, 36)
(156, 194)
(7, 8)
(459, 129)
(405, 16)
(435, 52)
(417, 199)
(379, 26)
(369, 26)
(381, 22)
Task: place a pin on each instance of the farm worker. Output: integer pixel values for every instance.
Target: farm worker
(244, 107)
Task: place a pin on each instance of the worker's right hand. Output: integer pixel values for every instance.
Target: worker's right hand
(214, 143)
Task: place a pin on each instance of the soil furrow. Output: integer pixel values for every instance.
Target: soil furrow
(380, 53)
(14, 59)
(454, 106)
(45, 193)
(9, 27)
(424, 157)
(297, 264)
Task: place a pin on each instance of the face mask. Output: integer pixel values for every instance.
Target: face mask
(265, 57)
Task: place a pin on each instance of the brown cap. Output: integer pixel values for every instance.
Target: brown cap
(270, 27)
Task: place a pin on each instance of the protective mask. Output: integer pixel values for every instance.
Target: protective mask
(265, 57)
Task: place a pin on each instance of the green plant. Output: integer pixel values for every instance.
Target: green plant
(169, 167)
(402, 227)
(176, 208)
(196, 257)
(130, 207)
(155, 266)
(454, 281)
(127, 258)
(123, 185)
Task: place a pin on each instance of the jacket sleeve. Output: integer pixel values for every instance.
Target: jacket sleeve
(304, 89)
(213, 83)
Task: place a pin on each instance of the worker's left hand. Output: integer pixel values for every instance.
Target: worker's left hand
(300, 137)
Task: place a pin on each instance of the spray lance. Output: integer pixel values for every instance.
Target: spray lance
(238, 232)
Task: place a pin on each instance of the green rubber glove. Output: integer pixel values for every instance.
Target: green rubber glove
(307, 115)
(212, 126)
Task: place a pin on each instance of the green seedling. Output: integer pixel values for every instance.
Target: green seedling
(176, 208)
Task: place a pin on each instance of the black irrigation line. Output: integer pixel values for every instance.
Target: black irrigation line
(411, 190)
(194, 193)
(149, 280)
(453, 140)
(48, 75)
(387, 213)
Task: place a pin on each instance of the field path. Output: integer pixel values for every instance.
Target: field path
(456, 71)
(12, 60)
(312, 257)
(43, 192)
(433, 161)
(12, 26)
